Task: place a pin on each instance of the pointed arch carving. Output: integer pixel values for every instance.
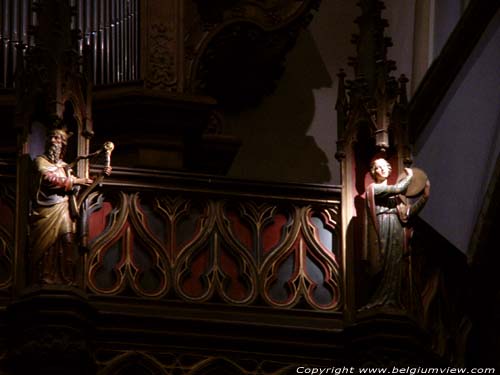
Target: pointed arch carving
(126, 254)
(136, 363)
(258, 227)
(302, 268)
(221, 265)
(185, 221)
(217, 366)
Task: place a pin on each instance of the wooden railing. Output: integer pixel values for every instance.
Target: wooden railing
(203, 239)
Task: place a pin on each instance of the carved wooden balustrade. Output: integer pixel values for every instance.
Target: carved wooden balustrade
(175, 262)
(214, 240)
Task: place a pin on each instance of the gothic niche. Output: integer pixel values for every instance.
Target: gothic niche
(242, 64)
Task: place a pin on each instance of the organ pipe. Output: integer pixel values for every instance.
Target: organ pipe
(109, 27)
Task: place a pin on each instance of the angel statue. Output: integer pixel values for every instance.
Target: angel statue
(388, 213)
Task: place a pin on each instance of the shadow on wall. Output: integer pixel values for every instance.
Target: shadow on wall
(276, 145)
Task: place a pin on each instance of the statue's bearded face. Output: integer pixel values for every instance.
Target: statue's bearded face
(55, 147)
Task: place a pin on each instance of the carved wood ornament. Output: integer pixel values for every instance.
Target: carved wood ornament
(235, 50)
(159, 245)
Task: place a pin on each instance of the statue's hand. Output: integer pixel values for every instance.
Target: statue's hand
(409, 172)
(107, 171)
(83, 181)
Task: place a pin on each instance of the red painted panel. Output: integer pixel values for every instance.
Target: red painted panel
(187, 227)
(271, 234)
(98, 221)
(241, 230)
(192, 284)
(235, 288)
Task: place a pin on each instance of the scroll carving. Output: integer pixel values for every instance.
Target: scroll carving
(162, 65)
(236, 50)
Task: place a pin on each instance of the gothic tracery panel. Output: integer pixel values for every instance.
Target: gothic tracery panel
(198, 249)
(303, 268)
(126, 254)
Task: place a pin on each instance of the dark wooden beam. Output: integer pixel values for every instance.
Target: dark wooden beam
(447, 65)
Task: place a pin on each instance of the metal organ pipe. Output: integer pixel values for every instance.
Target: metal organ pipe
(87, 34)
(102, 41)
(5, 39)
(15, 18)
(14, 40)
(109, 27)
(127, 40)
(80, 26)
(86, 21)
(112, 59)
(135, 52)
(123, 40)
(120, 40)
(107, 39)
(72, 20)
(93, 33)
(25, 21)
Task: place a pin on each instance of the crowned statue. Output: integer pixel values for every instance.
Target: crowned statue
(53, 248)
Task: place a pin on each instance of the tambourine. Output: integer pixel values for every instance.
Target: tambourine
(417, 183)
